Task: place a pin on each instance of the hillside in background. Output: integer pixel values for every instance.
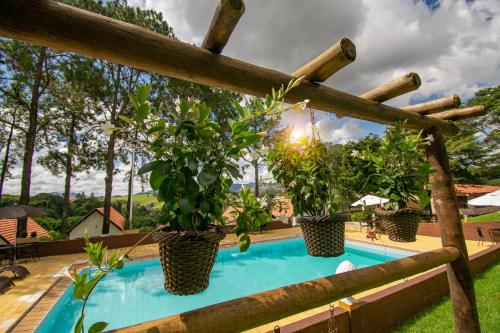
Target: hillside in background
(145, 199)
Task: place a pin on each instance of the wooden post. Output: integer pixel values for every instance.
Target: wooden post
(434, 106)
(326, 64)
(67, 28)
(394, 88)
(459, 114)
(446, 207)
(226, 16)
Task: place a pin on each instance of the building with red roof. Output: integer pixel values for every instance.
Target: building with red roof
(8, 230)
(92, 224)
(466, 192)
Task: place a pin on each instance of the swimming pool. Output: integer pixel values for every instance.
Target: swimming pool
(135, 294)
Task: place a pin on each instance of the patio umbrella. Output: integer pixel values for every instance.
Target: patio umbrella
(370, 200)
(490, 199)
(20, 211)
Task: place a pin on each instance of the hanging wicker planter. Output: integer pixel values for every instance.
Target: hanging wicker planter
(324, 235)
(187, 258)
(400, 225)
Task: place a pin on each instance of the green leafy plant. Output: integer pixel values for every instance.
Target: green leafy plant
(249, 214)
(85, 283)
(401, 170)
(196, 158)
(307, 177)
(359, 216)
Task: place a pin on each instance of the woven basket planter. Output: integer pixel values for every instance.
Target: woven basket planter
(187, 258)
(400, 225)
(324, 235)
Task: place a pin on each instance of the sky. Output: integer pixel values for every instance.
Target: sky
(454, 46)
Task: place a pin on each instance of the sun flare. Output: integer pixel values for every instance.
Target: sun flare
(297, 135)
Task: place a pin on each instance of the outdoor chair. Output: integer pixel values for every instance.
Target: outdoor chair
(6, 253)
(480, 235)
(367, 223)
(5, 283)
(19, 272)
(27, 251)
(494, 235)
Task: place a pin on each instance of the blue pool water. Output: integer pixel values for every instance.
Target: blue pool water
(135, 294)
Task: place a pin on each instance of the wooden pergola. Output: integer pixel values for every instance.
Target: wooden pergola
(62, 27)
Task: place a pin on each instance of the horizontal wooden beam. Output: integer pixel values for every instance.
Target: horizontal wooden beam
(326, 64)
(272, 305)
(394, 88)
(435, 106)
(460, 114)
(226, 16)
(66, 28)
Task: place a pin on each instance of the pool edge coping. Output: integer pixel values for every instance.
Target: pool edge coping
(65, 282)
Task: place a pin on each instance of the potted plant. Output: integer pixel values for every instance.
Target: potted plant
(307, 177)
(401, 173)
(194, 162)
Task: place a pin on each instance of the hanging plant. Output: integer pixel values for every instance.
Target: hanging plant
(401, 169)
(301, 168)
(306, 175)
(401, 173)
(195, 160)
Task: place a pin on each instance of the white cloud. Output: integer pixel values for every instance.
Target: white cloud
(454, 49)
(91, 181)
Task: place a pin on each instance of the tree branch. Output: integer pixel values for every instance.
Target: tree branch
(13, 125)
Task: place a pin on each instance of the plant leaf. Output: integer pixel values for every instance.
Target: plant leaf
(244, 242)
(79, 324)
(98, 327)
(186, 204)
(206, 178)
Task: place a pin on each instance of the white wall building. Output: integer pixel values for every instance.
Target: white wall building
(92, 224)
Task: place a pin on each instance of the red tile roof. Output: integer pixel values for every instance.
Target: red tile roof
(281, 208)
(116, 218)
(475, 189)
(8, 229)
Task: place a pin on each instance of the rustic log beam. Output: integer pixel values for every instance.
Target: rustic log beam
(435, 106)
(459, 114)
(226, 16)
(269, 306)
(394, 88)
(326, 64)
(446, 208)
(66, 28)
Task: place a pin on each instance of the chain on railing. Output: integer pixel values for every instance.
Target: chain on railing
(332, 325)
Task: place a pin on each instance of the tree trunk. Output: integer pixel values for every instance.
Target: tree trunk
(108, 181)
(110, 162)
(5, 163)
(128, 217)
(128, 222)
(69, 175)
(256, 177)
(29, 148)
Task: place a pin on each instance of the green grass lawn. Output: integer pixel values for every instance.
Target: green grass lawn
(494, 182)
(141, 199)
(495, 216)
(439, 318)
